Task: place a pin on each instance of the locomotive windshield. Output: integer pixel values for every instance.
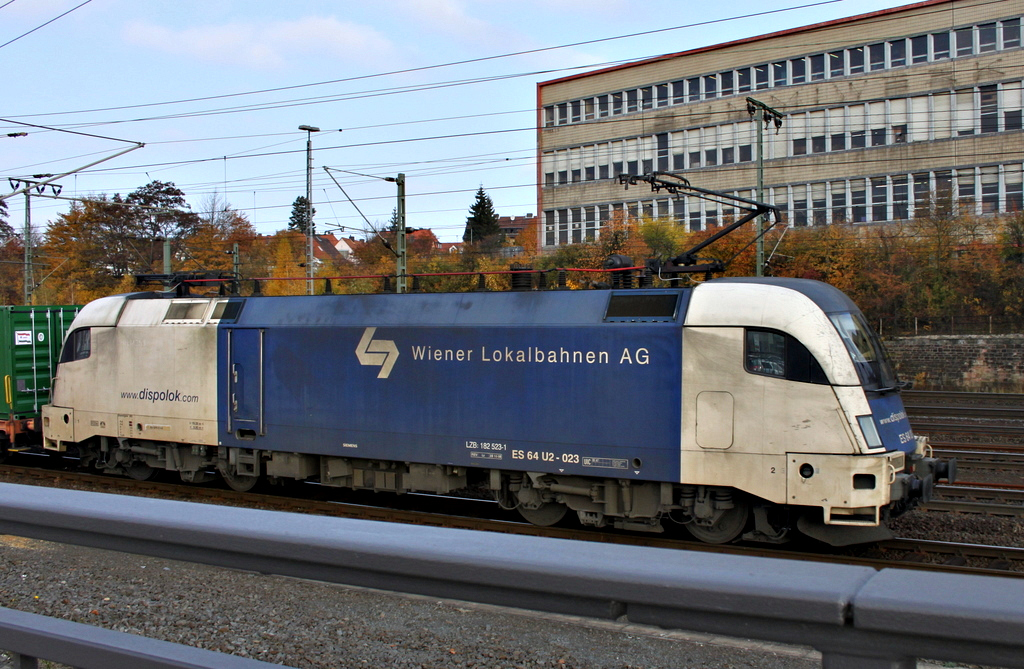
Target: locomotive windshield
(866, 350)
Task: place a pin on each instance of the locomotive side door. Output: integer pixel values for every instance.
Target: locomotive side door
(245, 382)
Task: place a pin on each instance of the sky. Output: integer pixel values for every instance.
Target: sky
(443, 91)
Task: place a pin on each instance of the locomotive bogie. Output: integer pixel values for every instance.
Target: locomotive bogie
(735, 407)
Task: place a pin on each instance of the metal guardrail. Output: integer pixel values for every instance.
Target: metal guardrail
(856, 616)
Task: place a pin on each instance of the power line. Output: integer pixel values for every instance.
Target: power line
(43, 25)
(448, 64)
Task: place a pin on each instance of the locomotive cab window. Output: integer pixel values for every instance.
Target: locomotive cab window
(78, 346)
(777, 354)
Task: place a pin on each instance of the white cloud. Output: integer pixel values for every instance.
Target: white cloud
(265, 45)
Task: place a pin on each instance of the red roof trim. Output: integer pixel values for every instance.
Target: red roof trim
(746, 40)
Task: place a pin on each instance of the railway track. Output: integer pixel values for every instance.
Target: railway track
(486, 516)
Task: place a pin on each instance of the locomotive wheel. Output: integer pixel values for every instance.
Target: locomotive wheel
(726, 528)
(240, 482)
(546, 515)
(139, 471)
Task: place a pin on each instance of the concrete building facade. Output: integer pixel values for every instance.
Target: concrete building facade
(882, 114)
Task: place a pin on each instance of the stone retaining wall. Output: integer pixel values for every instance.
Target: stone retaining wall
(975, 363)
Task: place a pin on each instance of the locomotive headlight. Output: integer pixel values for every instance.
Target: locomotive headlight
(867, 427)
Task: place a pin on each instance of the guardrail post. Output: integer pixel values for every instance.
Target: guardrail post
(24, 661)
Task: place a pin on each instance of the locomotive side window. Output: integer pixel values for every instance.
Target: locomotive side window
(778, 354)
(78, 346)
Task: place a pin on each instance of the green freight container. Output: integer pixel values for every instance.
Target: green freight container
(30, 341)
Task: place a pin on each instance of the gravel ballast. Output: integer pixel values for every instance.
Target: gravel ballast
(309, 624)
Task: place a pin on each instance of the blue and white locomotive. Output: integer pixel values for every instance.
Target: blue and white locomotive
(749, 408)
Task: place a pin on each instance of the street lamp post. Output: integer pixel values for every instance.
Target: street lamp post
(310, 228)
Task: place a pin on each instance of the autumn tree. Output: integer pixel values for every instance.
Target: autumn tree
(12, 276)
(210, 246)
(289, 251)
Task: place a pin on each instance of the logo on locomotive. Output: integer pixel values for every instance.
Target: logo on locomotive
(377, 353)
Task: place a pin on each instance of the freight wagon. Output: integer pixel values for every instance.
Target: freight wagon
(31, 338)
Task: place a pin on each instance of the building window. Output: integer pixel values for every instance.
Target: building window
(800, 208)
(602, 106)
(694, 159)
(1012, 177)
(819, 204)
(678, 92)
(899, 134)
(661, 144)
(693, 89)
(839, 142)
(549, 116)
(725, 78)
(836, 63)
(964, 42)
(779, 74)
(746, 153)
(919, 49)
(859, 198)
(818, 144)
(965, 189)
(616, 104)
(800, 147)
(817, 67)
(940, 46)
(761, 77)
(710, 86)
(989, 108)
(879, 200)
(878, 137)
(646, 98)
(987, 38)
(922, 194)
(900, 202)
(838, 196)
(858, 139)
(743, 80)
(662, 90)
(710, 157)
(798, 70)
(876, 55)
(898, 53)
(728, 155)
(856, 60)
(1011, 33)
(989, 190)
(631, 99)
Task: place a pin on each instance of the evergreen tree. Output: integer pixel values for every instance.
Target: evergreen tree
(482, 222)
(5, 229)
(300, 218)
